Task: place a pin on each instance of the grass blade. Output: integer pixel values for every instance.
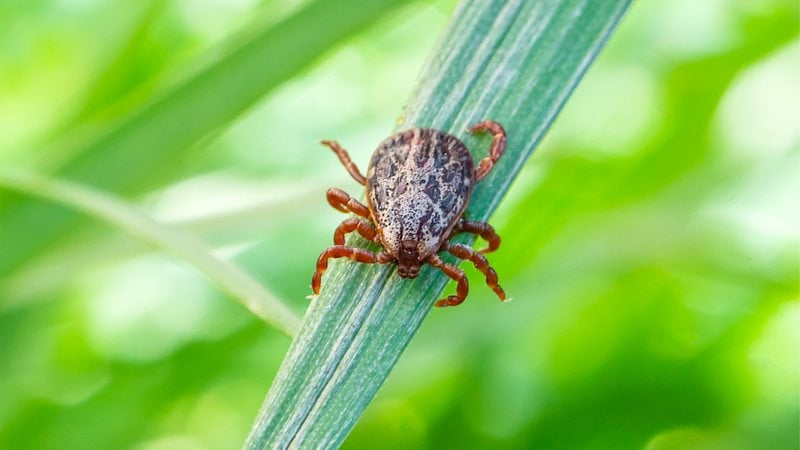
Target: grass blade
(228, 277)
(515, 62)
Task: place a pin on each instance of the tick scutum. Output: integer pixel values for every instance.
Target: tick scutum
(418, 185)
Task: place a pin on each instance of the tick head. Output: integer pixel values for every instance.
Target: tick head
(408, 263)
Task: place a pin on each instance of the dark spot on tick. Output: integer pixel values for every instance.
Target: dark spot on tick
(432, 189)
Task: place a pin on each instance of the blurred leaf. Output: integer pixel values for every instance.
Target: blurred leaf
(684, 146)
(149, 145)
(514, 62)
(230, 278)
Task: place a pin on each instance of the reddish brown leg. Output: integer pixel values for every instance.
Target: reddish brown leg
(464, 252)
(344, 203)
(351, 224)
(496, 149)
(482, 229)
(456, 275)
(340, 251)
(346, 161)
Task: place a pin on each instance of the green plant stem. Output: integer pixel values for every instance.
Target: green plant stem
(229, 277)
(512, 61)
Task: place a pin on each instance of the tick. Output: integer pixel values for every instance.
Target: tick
(418, 184)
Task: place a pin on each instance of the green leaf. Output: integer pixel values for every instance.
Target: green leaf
(148, 145)
(515, 62)
(228, 277)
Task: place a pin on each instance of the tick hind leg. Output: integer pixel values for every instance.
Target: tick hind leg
(346, 161)
(341, 251)
(351, 224)
(495, 150)
(340, 200)
(456, 275)
(480, 262)
(482, 229)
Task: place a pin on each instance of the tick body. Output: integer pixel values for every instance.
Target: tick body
(418, 186)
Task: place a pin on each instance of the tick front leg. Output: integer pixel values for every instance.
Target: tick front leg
(346, 161)
(344, 203)
(482, 229)
(351, 224)
(495, 150)
(456, 275)
(464, 252)
(341, 251)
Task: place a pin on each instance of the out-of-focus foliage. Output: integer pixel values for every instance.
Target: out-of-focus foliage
(650, 245)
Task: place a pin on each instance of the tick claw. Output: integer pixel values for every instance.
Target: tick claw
(452, 300)
(312, 296)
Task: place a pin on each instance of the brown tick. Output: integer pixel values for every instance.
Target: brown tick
(418, 186)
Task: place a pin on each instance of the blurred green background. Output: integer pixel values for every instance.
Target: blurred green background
(650, 244)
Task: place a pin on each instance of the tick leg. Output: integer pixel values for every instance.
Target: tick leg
(341, 251)
(495, 150)
(346, 161)
(482, 229)
(456, 275)
(351, 224)
(464, 252)
(344, 203)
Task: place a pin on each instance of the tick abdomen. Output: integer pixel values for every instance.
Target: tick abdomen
(418, 185)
